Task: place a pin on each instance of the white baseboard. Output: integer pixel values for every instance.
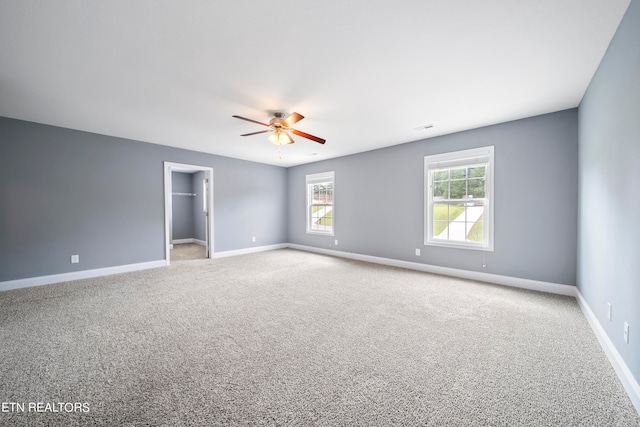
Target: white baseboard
(86, 274)
(516, 282)
(196, 241)
(181, 241)
(464, 274)
(76, 275)
(626, 377)
(245, 251)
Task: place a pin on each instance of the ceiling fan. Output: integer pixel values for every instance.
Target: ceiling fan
(280, 128)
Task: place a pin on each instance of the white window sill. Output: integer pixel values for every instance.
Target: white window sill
(321, 233)
(460, 246)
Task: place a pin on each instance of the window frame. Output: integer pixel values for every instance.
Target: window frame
(317, 178)
(451, 160)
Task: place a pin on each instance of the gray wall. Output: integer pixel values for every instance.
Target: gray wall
(67, 192)
(379, 200)
(182, 205)
(609, 213)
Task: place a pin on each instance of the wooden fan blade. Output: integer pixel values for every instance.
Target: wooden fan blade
(306, 135)
(249, 120)
(255, 133)
(292, 119)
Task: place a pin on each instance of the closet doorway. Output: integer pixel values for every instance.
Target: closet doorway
(188, 195)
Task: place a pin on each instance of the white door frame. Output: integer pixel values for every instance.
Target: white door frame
(168, 204)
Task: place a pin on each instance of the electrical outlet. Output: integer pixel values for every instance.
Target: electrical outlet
(609, 311)
(75, 259)
(484, 265)
(253, 239)
(417, 252)
(335, 242)
(626, 332)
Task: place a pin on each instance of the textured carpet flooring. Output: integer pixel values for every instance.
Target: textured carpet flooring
(187, 251)
(293, 338)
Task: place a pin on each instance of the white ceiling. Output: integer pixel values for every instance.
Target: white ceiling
(364, 73)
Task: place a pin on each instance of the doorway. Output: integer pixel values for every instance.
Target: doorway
(188, 196)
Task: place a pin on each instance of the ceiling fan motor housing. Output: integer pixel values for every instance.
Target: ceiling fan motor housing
(276, 122)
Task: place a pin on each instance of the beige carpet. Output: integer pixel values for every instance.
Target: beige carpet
(293, 338)
(187, 252)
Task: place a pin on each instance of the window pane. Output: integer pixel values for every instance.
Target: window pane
(321, 207)
(441, 175)
(440, 230)
(321, 217)
(476, 232)
(458, 222)
(322, 193)
(443, 215)
(441, 211)
(477, 172)
(458, 173)
(441, 190)
(458, 189)
(476, 187)
(474, 222)
(455, 211)
(327, 219)
(316, 193)
(328, 193)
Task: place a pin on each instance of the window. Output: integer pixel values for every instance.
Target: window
(320, 208)
(459, 199)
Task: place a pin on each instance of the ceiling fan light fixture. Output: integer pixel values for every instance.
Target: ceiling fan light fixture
(280, 137)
